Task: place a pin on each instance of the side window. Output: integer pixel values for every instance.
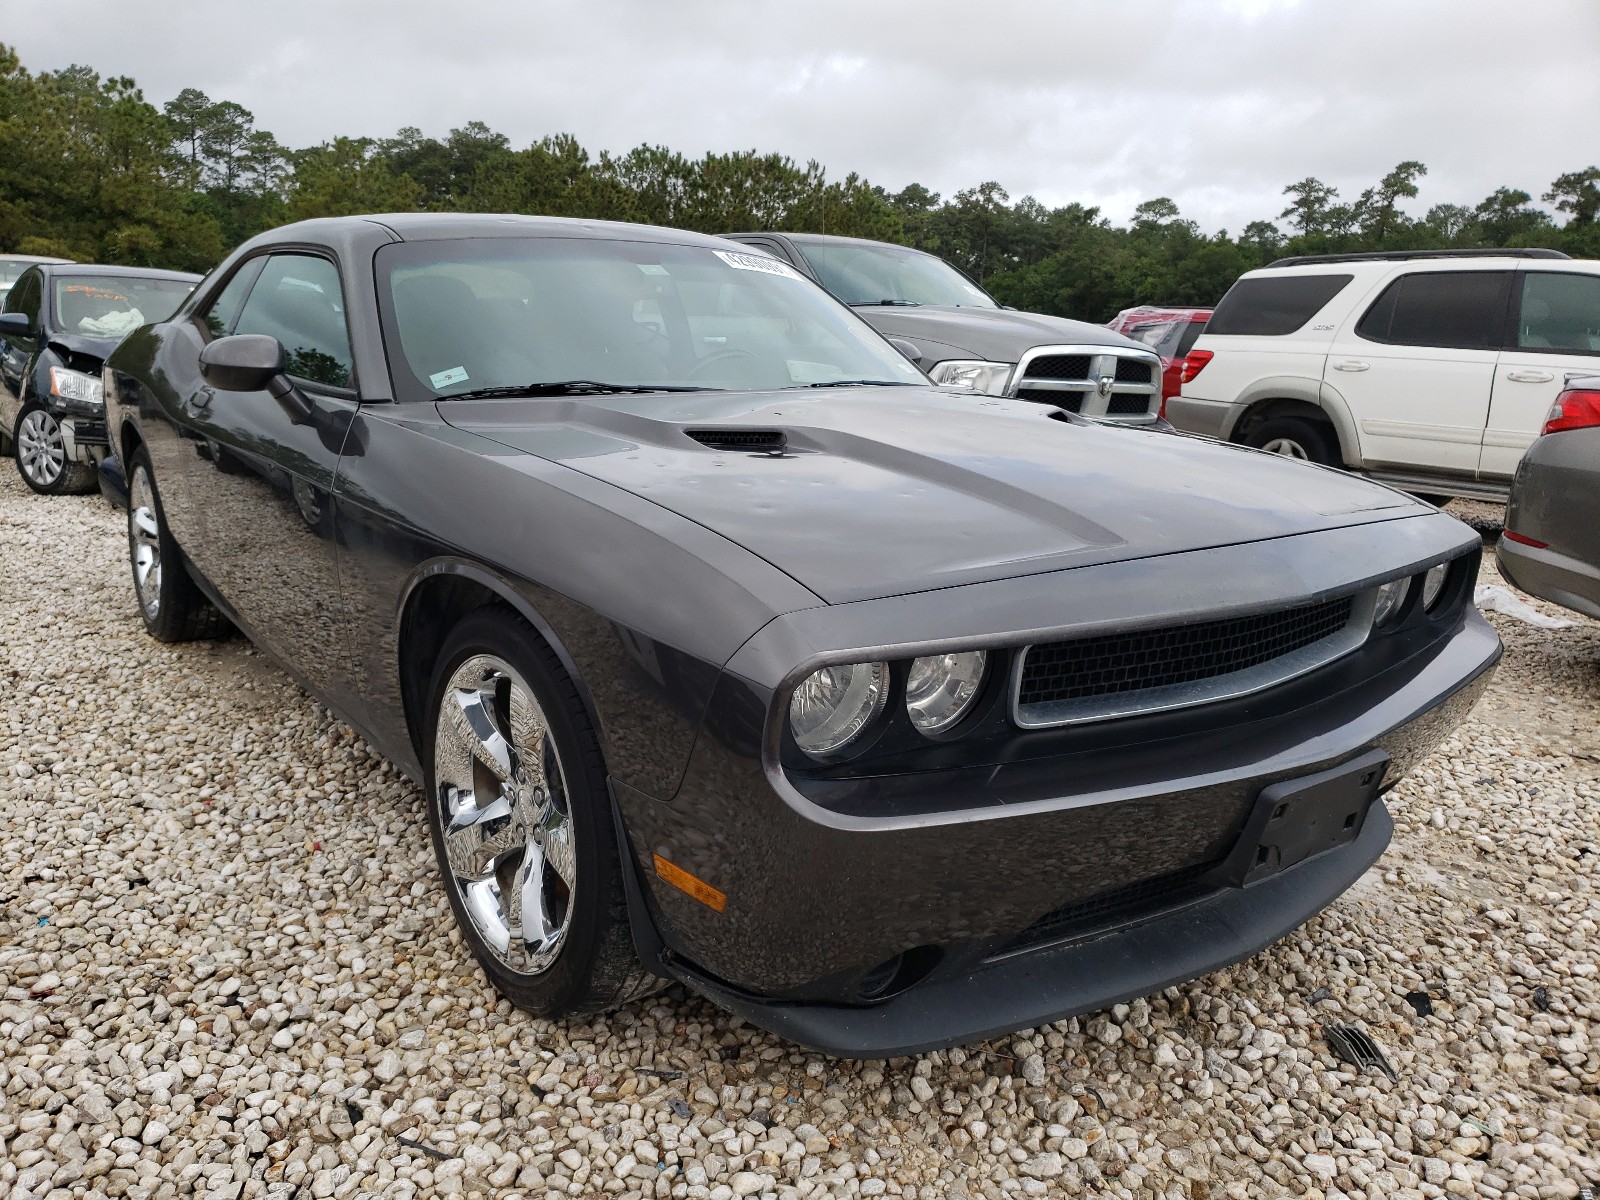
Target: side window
(297, 299)
(1274, 305)
(224, 310)
(24, 297)
(1460, 310)
(1560, 311)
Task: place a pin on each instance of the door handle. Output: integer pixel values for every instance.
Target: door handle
(1530, 376)
(1351, 364)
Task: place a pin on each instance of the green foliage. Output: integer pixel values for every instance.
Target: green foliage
(91, 170)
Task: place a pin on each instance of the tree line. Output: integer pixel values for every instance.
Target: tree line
(91, 170)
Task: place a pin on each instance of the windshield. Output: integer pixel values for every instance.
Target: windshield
(463, 316)
(115, 305)
(865, 273)
(11, 269)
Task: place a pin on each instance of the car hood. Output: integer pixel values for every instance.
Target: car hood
(996, 334)
(81, 343)
(885, 491)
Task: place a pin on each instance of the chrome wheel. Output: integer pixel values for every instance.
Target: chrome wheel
(41, 455)
(503, 807)
(1287, 447)
(144, 542)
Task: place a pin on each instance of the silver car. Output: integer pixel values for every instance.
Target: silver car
(1551, 546)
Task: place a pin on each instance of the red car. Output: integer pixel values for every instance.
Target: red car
(1170, 332)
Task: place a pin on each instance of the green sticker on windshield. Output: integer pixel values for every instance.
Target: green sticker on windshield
(445, 378)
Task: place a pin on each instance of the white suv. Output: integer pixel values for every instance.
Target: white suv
(1429, 370)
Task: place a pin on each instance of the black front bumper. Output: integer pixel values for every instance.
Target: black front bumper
(1055, 983)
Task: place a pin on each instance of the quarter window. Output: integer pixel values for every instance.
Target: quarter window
(1461, 310)
(224, 310)
(1274, 305)
(1560, 311)
(298, 300)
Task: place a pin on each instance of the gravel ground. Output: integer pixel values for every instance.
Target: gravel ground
(228, 971)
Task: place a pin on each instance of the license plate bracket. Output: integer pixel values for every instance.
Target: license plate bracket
(1299, 819)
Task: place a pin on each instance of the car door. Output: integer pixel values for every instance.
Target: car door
(1416, 368)
(1554, 332)
(265, 482)
(17, 352)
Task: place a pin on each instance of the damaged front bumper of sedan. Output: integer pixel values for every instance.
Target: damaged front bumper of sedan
(927, 892)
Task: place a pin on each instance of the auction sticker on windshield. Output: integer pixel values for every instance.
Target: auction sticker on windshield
(446, 378)
(757, 262)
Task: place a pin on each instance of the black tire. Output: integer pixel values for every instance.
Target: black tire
(595, 967)
(41, 457)
(1296, 437)
(173, 608)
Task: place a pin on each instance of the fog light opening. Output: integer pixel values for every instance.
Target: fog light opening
(895, 975)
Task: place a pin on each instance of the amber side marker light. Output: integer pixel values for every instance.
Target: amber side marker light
(691, 885)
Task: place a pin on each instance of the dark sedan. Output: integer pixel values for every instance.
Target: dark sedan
(728, 650)
(59, 323)
(1551, 544)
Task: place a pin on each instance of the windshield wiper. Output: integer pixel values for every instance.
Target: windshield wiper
(886, 304)
(855, 383)
(575, 387)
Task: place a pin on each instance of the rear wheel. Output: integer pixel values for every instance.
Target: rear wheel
(1296, 437)
(521, 823)
(40, 451)
(173, 608)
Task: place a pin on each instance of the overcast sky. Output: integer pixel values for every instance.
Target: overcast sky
(1216, 103)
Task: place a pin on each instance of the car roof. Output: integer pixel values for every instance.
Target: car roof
(828, 239)
(423, 227)
(1375, 267)
(72, 270)
(31, 258)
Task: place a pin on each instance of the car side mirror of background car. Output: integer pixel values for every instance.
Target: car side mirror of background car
(15, 324)
(254, 362)
(909, 349)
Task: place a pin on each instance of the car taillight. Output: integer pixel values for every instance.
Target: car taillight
(1195, 362)
(1575, 408)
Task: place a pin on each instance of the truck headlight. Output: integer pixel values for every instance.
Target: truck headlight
(833, 705)
(942, 688)
(976, 374)
(75, 385)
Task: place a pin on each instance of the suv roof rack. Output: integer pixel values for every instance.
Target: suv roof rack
(1300, 260)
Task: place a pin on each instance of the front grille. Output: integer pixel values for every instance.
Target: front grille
(1059, 366)
(1152, 658)
(1131, 370)
(1125, 405)
(1109, 909)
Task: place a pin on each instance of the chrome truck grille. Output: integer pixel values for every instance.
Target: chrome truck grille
(1107, 382)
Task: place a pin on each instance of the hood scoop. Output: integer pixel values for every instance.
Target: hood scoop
(753, 441)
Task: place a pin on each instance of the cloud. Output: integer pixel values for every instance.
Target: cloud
(1097, 101)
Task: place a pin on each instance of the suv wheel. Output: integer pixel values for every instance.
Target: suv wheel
(1295, 437)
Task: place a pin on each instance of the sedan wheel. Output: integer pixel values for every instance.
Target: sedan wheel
(522, 822)
(1287, 447)
(173, 607)
(506, 816)
(41, 454)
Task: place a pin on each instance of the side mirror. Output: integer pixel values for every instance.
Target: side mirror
(254, 362)
(909, 349)
(15, 324)
(245, 362)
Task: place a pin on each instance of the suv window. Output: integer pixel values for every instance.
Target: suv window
(298, 300)
(1560, 311)
(1460, 310)
(1274, 305)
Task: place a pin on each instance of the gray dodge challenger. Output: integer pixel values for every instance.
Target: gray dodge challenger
(728, 650)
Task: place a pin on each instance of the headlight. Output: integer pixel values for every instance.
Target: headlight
(1433, 584)
(980, 376)
(832, 706)
(1390, 598)
(942, 689)
(75, 385)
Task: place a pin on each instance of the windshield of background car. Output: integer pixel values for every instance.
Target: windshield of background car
(871, 274)
(11, 270)
(467, 314)
(114, 305)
